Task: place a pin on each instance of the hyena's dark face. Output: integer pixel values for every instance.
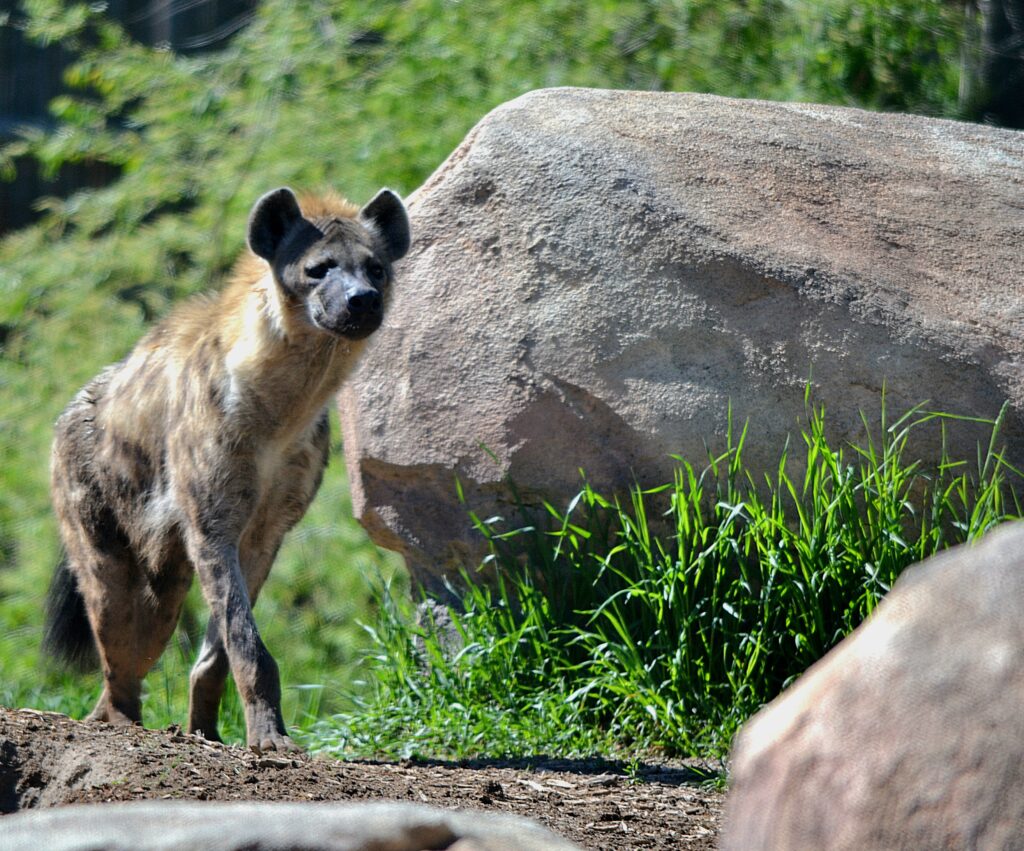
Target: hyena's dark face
(339, 268)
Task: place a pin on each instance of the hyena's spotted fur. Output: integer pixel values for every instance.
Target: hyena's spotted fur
(204, 446)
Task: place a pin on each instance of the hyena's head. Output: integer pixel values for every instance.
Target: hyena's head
(337, 267)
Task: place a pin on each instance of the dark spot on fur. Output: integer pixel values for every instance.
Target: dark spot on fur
(174, 573)
(216, 395)
(106, 532)
(137, 466)
(323, 426)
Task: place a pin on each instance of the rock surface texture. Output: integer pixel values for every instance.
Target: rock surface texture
(173, 826)
(910, 733)
(595, 275)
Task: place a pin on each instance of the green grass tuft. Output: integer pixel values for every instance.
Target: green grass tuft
(663, 621)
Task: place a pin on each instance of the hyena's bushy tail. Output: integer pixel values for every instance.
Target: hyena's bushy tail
(67, 635)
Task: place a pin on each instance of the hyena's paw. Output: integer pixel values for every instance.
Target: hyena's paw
(110, 715)
(278, 742)
(106, 710)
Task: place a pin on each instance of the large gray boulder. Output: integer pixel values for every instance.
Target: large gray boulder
(595, 276)
(910, 733)
(249, 826)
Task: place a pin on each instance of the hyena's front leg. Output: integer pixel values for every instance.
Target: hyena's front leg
(216, 485)
(251, 664)
(283, 507)
(209, 674)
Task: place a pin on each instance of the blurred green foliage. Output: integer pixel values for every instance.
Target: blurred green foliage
(350, 95)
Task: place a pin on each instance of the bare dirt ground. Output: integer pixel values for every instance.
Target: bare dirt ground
(49, 760)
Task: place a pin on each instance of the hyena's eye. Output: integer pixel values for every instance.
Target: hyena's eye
(375, 272)
(318, 270)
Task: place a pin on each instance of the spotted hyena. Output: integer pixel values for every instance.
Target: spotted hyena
(204, 446)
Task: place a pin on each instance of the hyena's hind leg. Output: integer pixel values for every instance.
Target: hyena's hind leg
(105, 584)
(131, 614)
(206, 683)
(132, 626)
(99, 486)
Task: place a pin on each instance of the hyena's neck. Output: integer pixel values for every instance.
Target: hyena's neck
(280, 369)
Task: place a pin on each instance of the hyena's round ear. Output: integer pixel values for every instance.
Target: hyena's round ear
(272, 216)
(385, 215)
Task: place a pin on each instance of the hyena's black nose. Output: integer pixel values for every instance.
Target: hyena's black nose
(363, 300)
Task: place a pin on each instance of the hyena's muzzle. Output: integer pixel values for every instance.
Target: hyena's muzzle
(347, 305)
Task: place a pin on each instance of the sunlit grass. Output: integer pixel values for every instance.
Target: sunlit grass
(661, 622)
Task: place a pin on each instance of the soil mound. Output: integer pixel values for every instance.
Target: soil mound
(49, 760)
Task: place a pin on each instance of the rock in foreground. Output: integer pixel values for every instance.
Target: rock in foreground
(172, 826)
(910, 733)
(595, 275)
